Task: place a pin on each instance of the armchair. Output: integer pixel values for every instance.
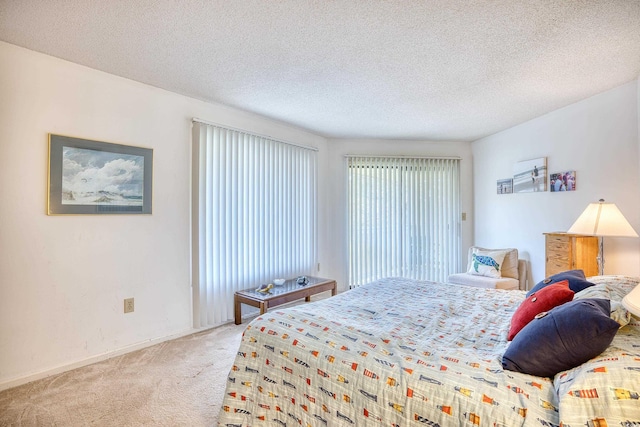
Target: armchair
(513, 272)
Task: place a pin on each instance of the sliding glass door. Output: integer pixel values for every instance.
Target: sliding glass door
(403, 218)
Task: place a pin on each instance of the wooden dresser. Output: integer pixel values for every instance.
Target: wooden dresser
(571, 252)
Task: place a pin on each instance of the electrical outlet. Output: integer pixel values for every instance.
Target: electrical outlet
(128, 305)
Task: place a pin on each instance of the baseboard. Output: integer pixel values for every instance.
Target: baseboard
(15, 382)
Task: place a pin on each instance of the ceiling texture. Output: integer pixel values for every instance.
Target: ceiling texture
(397, 69)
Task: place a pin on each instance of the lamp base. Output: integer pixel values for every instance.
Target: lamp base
(601, 257)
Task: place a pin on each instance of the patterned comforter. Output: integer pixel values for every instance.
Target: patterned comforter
(400, 352)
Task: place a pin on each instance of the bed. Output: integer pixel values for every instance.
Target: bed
(401, 352)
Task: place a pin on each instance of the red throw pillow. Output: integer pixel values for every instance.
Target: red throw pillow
(543, 300)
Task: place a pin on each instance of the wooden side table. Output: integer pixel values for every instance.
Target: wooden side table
(278, 295)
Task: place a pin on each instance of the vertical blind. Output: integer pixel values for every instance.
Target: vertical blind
(254, 216)
(403, 218)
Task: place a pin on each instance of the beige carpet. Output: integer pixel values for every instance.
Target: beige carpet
(176, 383)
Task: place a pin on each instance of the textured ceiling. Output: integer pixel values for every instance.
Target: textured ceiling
(402, 69)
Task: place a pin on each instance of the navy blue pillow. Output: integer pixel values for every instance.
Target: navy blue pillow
(577, 281)
(564, 338)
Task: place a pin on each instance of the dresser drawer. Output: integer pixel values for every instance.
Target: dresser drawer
(558, 264)
(552, 269)
(570, 252)
(559, 257)
(559, 245)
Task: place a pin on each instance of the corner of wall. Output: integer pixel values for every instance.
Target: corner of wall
(606, 129)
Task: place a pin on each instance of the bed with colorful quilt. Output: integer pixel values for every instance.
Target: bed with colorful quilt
(400, 352)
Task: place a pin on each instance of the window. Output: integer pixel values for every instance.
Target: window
(403, 218)
(254, 216)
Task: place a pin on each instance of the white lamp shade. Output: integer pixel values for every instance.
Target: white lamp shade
(632, 301)
(603, 219)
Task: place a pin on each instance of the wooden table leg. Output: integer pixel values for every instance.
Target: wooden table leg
(263, 307)
(237, 311)
(307, 299)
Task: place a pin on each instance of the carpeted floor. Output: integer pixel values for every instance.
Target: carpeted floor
(175, 383)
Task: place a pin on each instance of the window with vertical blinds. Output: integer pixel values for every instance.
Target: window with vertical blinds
(254, 216)
(403, 218)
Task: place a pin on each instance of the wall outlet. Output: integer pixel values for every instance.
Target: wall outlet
(128, 305)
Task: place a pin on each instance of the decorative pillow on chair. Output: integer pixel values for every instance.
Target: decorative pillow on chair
(576, 278)
(563, 338)
(509, 266)
(486, 263)
(543, 300)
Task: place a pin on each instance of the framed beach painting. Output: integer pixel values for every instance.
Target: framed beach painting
(505, 186)
(530, 176)
(92, 177)
(563, 181)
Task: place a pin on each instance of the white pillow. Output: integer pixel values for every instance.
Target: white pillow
(509, 266)
(602, 291)
(487, 263)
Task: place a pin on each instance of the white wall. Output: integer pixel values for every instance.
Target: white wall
(63, 278)
(336, 252)
(596, 137)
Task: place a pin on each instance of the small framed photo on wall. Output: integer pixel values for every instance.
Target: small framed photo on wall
(505, 186)
(563, 181)
(530, 176)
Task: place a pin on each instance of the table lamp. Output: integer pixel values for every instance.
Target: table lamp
(603, 220)
(631, 301)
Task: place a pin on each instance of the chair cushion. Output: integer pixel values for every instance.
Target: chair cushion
(482, 281)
